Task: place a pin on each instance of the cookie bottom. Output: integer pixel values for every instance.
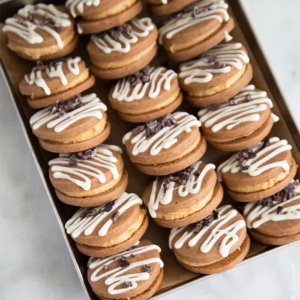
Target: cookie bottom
(56, 147)
(146, 294)
(225, 94)
(115, 249)
(224, 264)
(125, 70)
(52, 99)
(246, 141)
(198, 215)
(95, 26)
(171, 7)
(109, 195)
(274, 240)
(177, 165)
(151, 115)
(255, 196)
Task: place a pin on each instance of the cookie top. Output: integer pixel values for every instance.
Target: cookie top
(46, 79)
(237, 117)
(86, 170)
(259, 163)
(69, 118)
(163, 139)
(177, 191)
(213, 67)
(211, 239)
(199, 18)
(106, 221)
(39, 25)
(127, 274)
(277, 215)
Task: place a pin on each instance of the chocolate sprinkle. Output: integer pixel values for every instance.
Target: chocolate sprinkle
(248, 97)
(127, 284)
(146, 268)
(279, 210)
(124, 263)
(207, 221)
(142, 76)
(108, 207)
(218, 65)
(91, 212)
(116, 32)
(63, 107)
(105, 267)
(115, 216)
(198, 10)
(243, 156)
(85, 155)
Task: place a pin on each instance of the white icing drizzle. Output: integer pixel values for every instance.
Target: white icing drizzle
(79, 5)
(54, 70)
(164, 1)
(165, 138)
(123, 44)
(115, 277)
(27, 30)
(258, 164)
(230, 233)
(229, 116)
(91, 108)
(192, 186)
(91, 167)
(87, 225)
(199, 71)
(159, 78)
(266, 214)
(228, 37)
(187, 19)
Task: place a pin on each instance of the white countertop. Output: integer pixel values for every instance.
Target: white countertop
(34, 260)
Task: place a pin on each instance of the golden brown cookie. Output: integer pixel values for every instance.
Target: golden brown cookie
(110, 228)
(97, 16)
(123, 50)
(57, 80)
(217, 75)
(259, 171)
(146, 95)
(89, 178)
(166, 145)
(196, 29)
(239, 123)
(73, 125)
(275, 220)
(41, 32)
(184, 197)
(213, 245)
(133, 274)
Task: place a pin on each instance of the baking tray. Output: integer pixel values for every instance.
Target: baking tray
(13, 69)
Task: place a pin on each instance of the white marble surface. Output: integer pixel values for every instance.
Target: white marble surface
(34, 260)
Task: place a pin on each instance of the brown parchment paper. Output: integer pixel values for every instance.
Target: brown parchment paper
(175, 275)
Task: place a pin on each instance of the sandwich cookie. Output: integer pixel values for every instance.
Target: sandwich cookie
(123, 50)
(239, 123)
(258, 172)
(133, 274)
(166, 145)
(146, 95)
(185, 197)
(213, 245)
(57, 80)
(276, 220)
(110, 228)
(73, 125)
(89, 178)
(41, 32)
(217, 75)
(195, 30)
(166, 7)
(100, 15)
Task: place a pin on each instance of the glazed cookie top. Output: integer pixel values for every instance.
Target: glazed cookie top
(171, 193)
(39, 24)
(193, 17)
(211, 239)
(214, 66)
(126, 274)
(266, 159)
(45, 79)
(278, 214)
(69, 118)
(162, 139)
(121, 39)
(88, 169)
(107, 221)
(236, 116)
